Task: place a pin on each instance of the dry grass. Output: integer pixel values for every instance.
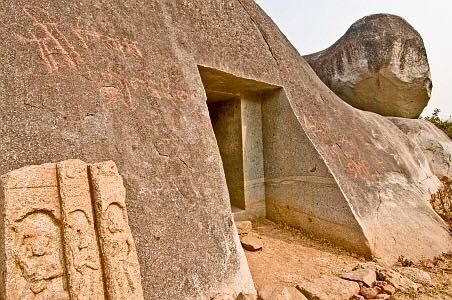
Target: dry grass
(440, 269)
(442, 201)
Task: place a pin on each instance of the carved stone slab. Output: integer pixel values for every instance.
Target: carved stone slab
(80, 242)
(120, 260)
(32, 246)
(51, 240)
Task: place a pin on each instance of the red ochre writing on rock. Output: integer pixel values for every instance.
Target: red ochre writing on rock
(58, 49)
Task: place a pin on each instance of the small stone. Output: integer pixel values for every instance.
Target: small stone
(370, 265)
(242, 296)
(400, 282)
(383, 296)
(244, 227)
(329, 287)
(251, 243)
(385, 287)
(271, 292)
(357, 297)
(223, 296)
(367, 276)
(416, 275)
(369, 292)
(429, 265)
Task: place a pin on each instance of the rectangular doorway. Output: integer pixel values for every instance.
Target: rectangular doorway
(235, 109)
(225, 116)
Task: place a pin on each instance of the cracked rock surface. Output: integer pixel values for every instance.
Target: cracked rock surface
(379, 65)
(434, 143)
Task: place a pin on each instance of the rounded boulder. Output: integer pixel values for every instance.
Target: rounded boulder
(380, 65)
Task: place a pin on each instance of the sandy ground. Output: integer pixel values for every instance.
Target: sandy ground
(290, 256)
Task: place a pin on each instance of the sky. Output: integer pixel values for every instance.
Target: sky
(313, 25)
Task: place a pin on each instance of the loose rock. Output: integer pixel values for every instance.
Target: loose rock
(242, 296)
(244, 227)
(370, 265)
(357, 297)
(367, 276)
(329, 288)
(270, 292)
(251, 243)
(416, 275)
(383, 296)
(385, 287)
(397, 280)
(369, 292)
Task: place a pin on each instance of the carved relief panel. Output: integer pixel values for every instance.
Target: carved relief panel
(59, 242)
(120, 259)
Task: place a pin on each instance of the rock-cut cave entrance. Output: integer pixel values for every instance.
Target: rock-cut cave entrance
(271, 167)
(235, 109)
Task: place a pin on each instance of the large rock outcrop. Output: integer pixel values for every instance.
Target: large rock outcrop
(434, 143)
(379, 65)
(128, 81)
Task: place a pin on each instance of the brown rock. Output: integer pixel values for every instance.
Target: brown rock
(251, 243)
(357, 297)
(366, 276)
(385, 287)
(244, 227)
(379, 65)
(329, 288)
(369, 292)
(270, 292)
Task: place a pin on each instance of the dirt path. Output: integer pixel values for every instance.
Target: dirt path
(289, 257)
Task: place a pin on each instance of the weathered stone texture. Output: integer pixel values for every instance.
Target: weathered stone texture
(270, 292)
(244, 227)
(103, 80)
(329, 288)
(416, 275)
(366, 276)
(434, 143)
(379, 65)
(50, 248)
(397, 280)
